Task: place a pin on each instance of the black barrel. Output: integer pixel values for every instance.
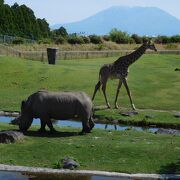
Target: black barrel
(51, 53)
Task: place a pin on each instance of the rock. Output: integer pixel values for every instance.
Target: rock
(132, 113)
(69, 163)
(10, 136)
(166, 131)
(15, 114)
(1, 113)
(177, 69)
(177, 115)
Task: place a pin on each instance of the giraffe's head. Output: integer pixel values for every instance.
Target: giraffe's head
(150, 45)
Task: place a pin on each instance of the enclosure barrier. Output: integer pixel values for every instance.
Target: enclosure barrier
(10, 39)
(66, 55)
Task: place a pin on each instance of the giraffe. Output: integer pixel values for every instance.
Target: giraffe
(119, 70)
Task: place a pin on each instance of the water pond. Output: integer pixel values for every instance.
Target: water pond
(5, 175)
(79, 125)
(118, 127)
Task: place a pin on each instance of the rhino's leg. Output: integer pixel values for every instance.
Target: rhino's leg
(50, 125)
(43, 125)
(91, 123)
(86, 128)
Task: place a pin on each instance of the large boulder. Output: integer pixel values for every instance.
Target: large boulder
(10, 136)
(69, 163)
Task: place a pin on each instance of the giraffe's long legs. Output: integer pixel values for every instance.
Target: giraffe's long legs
(128, 92)
(117, 93)
(96, 88)
(104, 92)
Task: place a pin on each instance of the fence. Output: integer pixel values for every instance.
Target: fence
(9, 39)
(65, 55)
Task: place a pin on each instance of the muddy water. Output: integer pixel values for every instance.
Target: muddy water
(4, 175)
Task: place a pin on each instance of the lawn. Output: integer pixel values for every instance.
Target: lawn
(126, 151)
(154, 85)
(152, 80)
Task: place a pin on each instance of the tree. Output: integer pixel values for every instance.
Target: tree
(6, 20)
(21, 21)
(95, 39)
(119, 36)
(61, 32)
(1, 2)
(137, 39)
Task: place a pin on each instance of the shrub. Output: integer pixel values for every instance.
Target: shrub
(95, 39)
(60, 32)
(175, 39)
(74, 39)
(119, 36)
(106, 38)
(137, 39)
(60, 40)
(18, 41)
(44, 41)
(145, 39)
(99, 47)
(162, 40)
(86, 39)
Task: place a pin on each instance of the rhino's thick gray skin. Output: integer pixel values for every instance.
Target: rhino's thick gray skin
(56, 105)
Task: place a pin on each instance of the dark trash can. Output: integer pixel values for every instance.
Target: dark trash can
(51, 53)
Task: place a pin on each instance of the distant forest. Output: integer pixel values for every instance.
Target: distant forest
(20, 21)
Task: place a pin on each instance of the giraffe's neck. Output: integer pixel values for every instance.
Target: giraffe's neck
(131, 58)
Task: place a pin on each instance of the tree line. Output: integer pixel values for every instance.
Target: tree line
(20, 21)
(60, 36)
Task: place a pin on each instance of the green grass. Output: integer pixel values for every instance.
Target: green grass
(143, 118)
(152, 80)
(154, 85)
(127, 151)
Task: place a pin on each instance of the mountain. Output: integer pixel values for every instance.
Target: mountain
(140, 20)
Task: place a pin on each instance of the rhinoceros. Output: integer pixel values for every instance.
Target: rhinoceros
(56, 105)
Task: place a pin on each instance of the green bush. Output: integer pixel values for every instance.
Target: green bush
(162, 40)
(44, 41)
(119, 36)
(175, 39)
(60, 40)
(106, 38)
(95, 39)
(86, 39)
(74, 39)
(137, 39)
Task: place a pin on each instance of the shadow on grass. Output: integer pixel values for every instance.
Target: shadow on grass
(49, 134)
(171, 168)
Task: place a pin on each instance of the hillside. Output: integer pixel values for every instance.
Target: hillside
(140, 20)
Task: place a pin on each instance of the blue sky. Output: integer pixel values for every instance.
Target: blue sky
(63, 11)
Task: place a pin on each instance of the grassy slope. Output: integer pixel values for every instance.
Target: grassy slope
(152, 80)
(127, 151)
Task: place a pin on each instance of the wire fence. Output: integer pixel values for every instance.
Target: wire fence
(68, 55)
(9, 39)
